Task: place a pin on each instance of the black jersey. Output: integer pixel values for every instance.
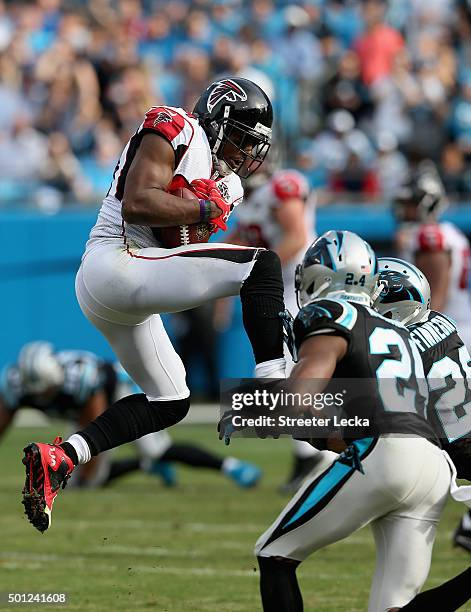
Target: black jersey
(447, 366)
(382, 364)
(84, 375)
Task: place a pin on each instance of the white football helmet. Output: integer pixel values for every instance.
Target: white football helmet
(39, 368)
(405, 296)
(339, 265)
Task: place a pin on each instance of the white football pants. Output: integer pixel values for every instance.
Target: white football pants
(402, 494)
(121, 292)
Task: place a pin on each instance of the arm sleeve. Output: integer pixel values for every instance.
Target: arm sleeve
(166, 122)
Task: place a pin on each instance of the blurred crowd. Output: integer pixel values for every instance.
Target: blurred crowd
(362, 89)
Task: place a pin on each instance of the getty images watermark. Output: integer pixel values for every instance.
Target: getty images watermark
(314, 409)
(282, 401)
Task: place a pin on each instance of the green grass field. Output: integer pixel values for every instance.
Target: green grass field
(138, 546)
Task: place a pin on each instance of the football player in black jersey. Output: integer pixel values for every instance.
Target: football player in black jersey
(406, 298)
(79, 386)
(398, 483)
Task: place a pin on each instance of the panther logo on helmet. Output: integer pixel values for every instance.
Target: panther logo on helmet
(226, 90)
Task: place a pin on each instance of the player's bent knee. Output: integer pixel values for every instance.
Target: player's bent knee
(171, 412)
(267, 267)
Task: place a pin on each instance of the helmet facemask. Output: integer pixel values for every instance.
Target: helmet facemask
(252, 144)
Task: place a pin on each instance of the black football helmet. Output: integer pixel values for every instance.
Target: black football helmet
(236, 111)
(424, 190)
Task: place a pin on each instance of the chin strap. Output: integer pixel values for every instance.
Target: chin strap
(411, 316)
(325, 285)
(221, 169)
(377, 292)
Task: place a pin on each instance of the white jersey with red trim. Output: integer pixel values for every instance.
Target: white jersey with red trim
(432, 237)
(258, 225)
(192, 161)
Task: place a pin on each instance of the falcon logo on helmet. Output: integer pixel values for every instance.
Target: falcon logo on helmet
(226, 90)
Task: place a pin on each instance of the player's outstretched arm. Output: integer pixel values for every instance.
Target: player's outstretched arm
(437, 268)
(145, 200)
(290, 216)
(318, 357)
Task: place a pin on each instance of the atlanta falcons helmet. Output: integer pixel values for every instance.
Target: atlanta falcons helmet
(238, 112)
(405, 296)
(39, 368)
(424, 192)
(338, 265)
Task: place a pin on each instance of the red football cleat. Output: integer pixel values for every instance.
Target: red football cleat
(47, 469)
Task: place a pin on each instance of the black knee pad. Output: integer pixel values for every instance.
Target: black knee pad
(169, 412)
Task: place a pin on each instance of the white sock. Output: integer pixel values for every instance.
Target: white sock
(466, 522)
(275, 368)
(229, 464)
(81, 448)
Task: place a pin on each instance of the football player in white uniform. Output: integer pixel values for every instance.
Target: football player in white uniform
(438, 248)
(78, 386)
(278, 214)
(127, 278)
(397, 483)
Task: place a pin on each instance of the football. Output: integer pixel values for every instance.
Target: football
(181, 235)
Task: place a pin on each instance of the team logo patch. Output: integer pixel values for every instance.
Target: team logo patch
(223, 190)
(226, 90)
(313, 311)
(162, 117)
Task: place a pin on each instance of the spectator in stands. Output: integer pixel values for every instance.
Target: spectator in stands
(61, 174)
(406, 72)
(378, 46)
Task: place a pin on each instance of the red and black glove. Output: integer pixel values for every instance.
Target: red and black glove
(206, 190)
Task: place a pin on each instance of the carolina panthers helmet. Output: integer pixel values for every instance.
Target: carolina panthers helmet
(405, 295)
(424, 191)
(236, 111)
(39, 368)
(340, 265)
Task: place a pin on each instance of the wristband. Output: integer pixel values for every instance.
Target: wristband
(205, 210)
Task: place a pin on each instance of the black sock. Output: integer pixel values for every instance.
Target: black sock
(447, 597)
(130, 418)
(262, 301)
(70, 451)
(122, 467)
(279, 586)
(192, 455)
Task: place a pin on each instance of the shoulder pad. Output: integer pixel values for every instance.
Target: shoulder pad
(289, 184)
(431, 238)
(340, 312)
(328, 316)
(165, 121)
